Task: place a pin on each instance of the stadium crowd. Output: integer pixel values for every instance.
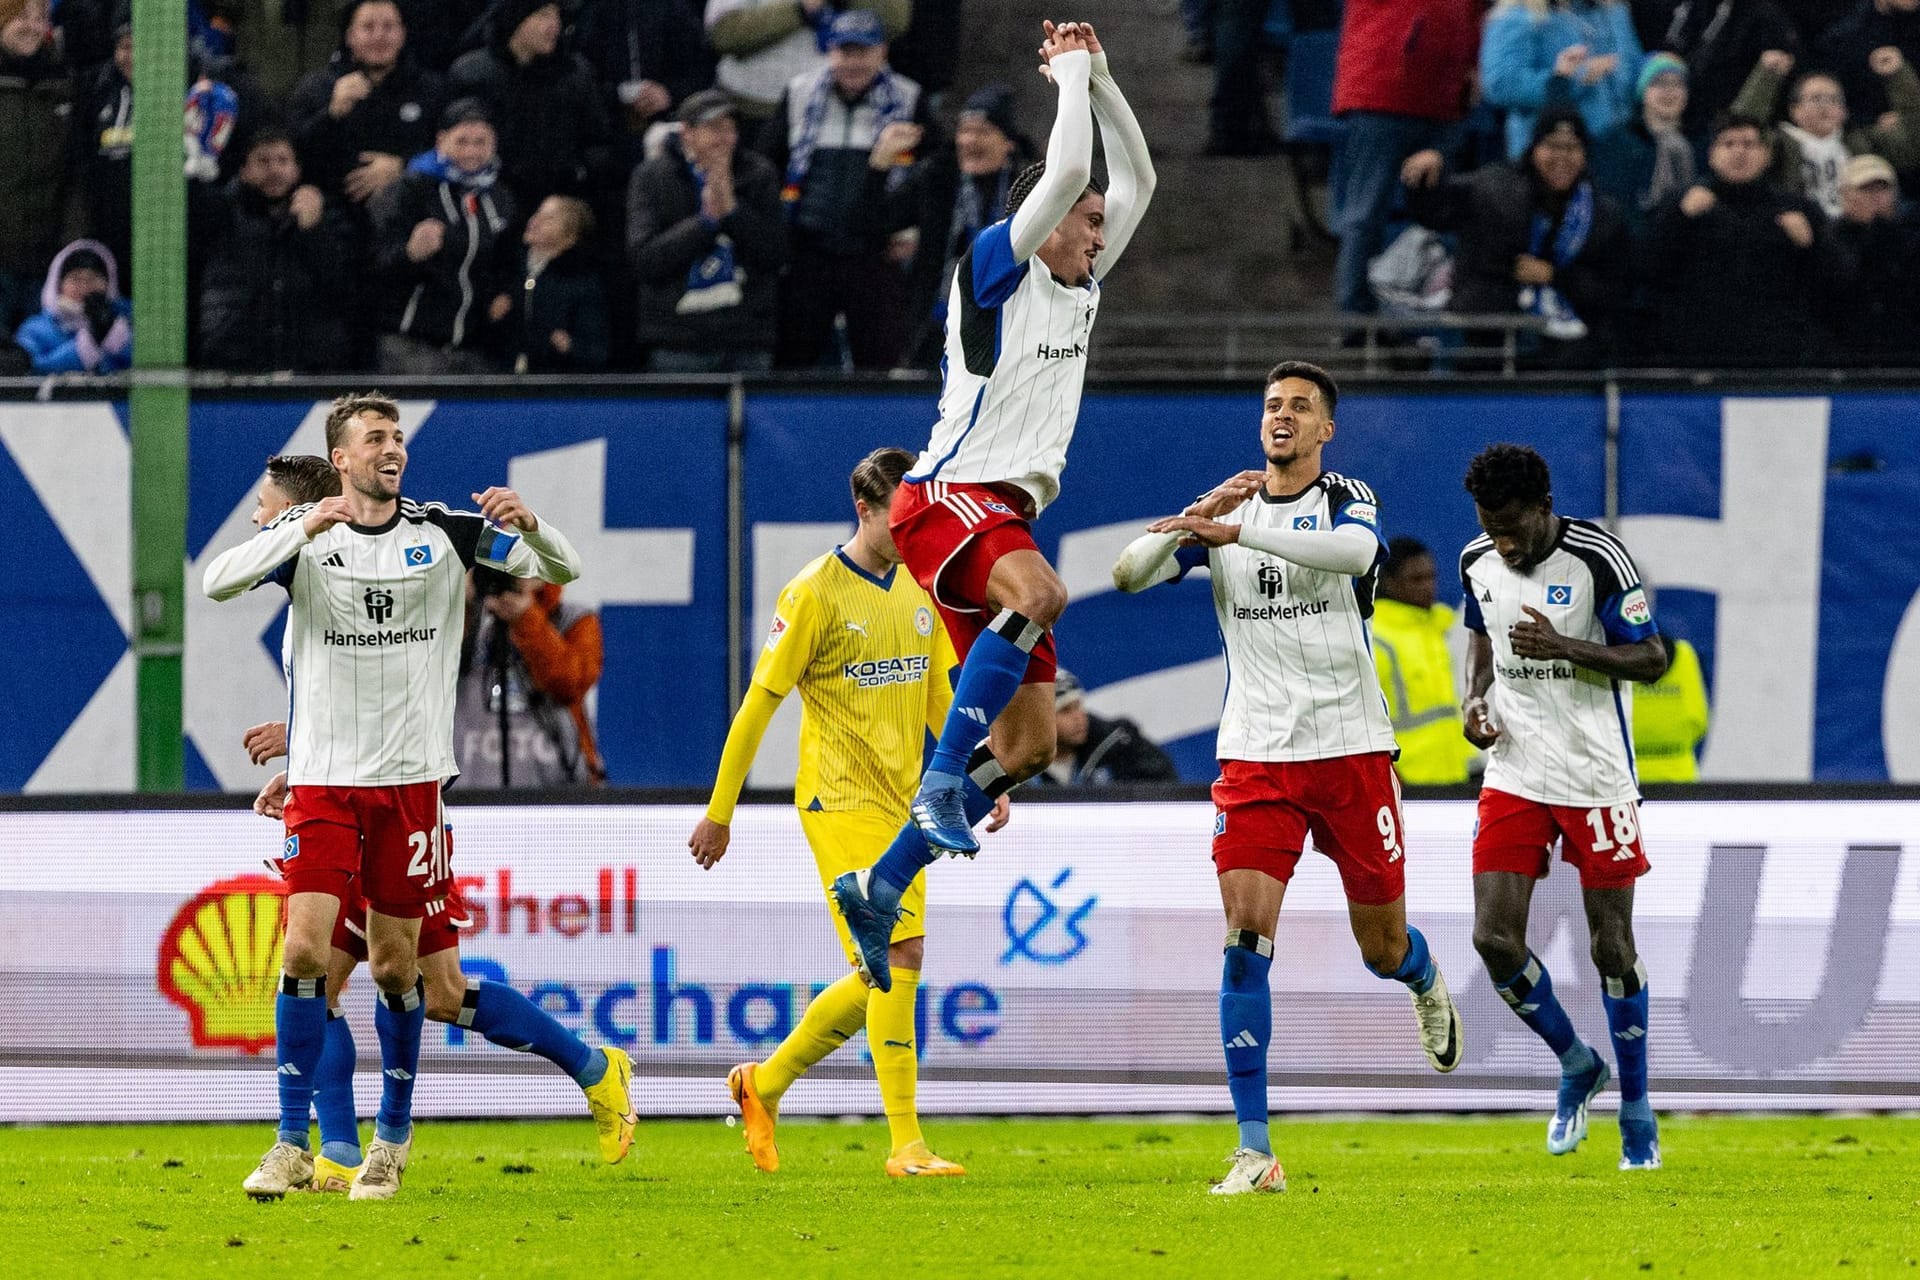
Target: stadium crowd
(739, 185)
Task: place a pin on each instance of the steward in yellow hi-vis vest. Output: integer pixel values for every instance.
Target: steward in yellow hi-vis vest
(863, 644)
(1670, 719)
(1410, 652)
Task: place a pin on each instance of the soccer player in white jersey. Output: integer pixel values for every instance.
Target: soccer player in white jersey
(1305, 742)
(1558, 624)
(378, 590)
(1019, 316)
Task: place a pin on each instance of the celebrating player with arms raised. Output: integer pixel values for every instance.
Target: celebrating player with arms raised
(1559, 624)
(378, 590)
(1019, 317)
(1305, 744)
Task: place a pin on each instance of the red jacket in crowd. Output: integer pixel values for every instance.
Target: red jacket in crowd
(1408, 57)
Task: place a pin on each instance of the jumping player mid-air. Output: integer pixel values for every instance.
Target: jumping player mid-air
(1020, 314)
(1559, 625)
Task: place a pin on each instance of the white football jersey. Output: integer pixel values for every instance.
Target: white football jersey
(1301, 681)
(1014, 367)
(372, 649)
(1566, 733)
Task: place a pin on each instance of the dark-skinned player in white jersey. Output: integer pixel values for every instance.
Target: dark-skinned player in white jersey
(1305, 740)
(1020, 314)
(1559, 625)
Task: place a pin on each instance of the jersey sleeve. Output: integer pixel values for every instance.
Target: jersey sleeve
(1354, 503)
(1470, 616)
(790, 643)
(1620, 602)
(1187, 559)
(470, 534)
(995, 273)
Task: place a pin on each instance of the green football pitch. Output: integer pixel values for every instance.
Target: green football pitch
(1835, 1195)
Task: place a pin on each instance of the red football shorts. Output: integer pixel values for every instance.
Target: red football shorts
(1603, 843)
(1263, 811)
(439, 928)
(390, 840)
(950, 535)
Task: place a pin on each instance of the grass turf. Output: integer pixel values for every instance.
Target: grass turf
(1446, 1198)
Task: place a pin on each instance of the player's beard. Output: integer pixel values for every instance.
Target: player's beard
(378, 487)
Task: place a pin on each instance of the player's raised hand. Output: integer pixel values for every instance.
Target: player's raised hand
(1199, 531)
(1226, 495)
(709, 842)
(1477, 723)
(327, 513)
(1534, 637)
(1002, 813)
(265, 741)
(1064, 38)
(272, 800)
(504, 507)
(1093, 41)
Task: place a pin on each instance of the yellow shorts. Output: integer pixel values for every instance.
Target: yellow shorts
(853, 839)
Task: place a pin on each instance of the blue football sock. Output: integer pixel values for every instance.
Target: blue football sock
(988, 680)
(299, 1038)
(1626, 1001)
(1530, 994)
(333, 1093)
(1246, 1024)
(512, 1021)
(910, 853)
(399, 1020)
(1417, 970)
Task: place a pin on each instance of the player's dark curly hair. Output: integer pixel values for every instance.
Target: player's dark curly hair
(303, 477)
(1504, 475)
(1329, 390)
(1400, 552)
(1028, 178)
(878, 474)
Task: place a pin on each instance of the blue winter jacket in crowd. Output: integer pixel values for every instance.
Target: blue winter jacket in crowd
(1522, 39)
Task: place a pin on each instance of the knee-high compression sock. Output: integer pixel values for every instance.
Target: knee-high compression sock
(988, 680)
(1418, 970)
(398, 1019)
(896, 1061)
(1626, 1001)
(333, 1093)
(1529, 993)
(832, 1018)
(910, 852)
(510, 1020)
(1246, 1024)
(299, 1038)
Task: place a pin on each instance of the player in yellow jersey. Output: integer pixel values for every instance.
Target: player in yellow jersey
(861, 641)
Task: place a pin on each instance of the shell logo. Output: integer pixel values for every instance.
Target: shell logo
(220, 961)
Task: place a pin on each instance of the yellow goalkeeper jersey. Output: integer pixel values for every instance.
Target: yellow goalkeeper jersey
(873, 665)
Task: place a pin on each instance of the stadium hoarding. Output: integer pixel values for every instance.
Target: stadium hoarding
(1074, 967)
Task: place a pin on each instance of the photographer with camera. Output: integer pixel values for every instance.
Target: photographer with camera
(526, 666)
(84, 325)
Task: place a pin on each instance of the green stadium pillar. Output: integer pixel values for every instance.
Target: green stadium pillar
(157, 403)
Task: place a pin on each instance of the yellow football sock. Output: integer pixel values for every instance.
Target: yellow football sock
(833, 1018)
(895, 1062)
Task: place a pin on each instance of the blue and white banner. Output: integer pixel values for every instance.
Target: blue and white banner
(1780, 533)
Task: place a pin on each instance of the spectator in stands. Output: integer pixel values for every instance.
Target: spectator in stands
(88, 29)
(106, 116)
(359, 119)
(1641, 163)
(1411, 653)
(556, 321)
(36, 153)
(554, 132)
(1237, 121)
(1405, 74)
(764, 44)
(1811, 149)
(959, 191)
(1670, 718)
(649, 55)
(1738, 265)
(1719, 40)
(272, 292)
(84, 325)
(439, 31)
(844, 136)
(1848, 49)
(527, 663)
(706, 239)
(1589, 43)
(1535, 238)
(1873, 314)
(1090, 751)
(441, 248)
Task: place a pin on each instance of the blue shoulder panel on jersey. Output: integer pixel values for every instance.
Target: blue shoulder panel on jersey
(282, 575)
(1189, 558)
(1626, 617)
(1361, 513)
(1470, 615)
(500, 548)
(996, 273)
